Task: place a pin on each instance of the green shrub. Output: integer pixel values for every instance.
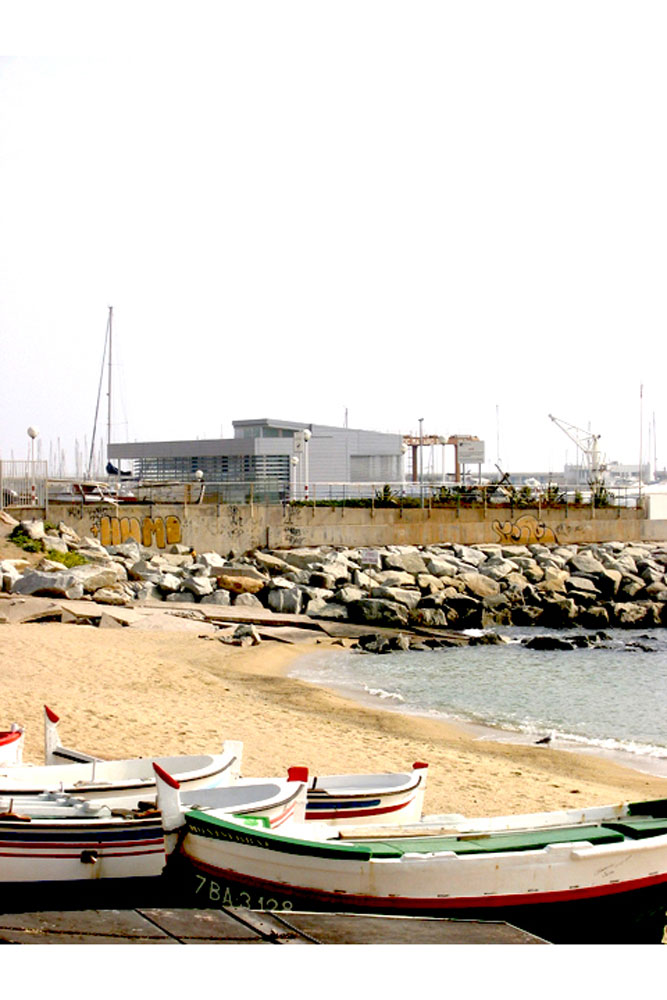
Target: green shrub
(20, 537)
(68, 559)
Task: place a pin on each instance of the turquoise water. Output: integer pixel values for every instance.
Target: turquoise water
(610, 700)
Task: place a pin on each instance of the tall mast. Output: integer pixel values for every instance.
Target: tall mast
(109, 389)
(107, 339)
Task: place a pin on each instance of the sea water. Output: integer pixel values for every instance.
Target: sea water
(609, 699)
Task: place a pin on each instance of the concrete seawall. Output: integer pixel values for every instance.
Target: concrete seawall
(239, 528)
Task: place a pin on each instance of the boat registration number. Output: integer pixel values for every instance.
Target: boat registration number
(219, 894)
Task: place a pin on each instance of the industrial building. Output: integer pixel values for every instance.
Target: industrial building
(282, 456)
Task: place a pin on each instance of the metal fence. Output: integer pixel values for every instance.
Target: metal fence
(23, 484)
(380, 494)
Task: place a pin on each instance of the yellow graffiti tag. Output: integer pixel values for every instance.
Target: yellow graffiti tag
(149, 531)
(525, 530)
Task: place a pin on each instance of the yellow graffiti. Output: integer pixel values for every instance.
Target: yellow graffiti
(526, 530)
(149, 531)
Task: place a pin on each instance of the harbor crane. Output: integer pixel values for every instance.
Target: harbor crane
(587, 443)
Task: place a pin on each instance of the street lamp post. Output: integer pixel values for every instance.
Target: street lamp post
(421, 460)
(294, 481)
(306, 469)
(32, 434)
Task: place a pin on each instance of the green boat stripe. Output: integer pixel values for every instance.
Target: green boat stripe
(219, 829)
(203, 825)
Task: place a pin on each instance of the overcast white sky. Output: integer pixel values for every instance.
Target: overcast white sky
(453, 212)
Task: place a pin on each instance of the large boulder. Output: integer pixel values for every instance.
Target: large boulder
(498, 569)
(639, 615)
(241, 600)
(441, 566)
(479, 584)
(585, 562)
(240, 584)
(554, 581)
(220, 598)
(547, 642)
(198, 586)
(33, 529)
(395, 578)
(558, 612)
(378, 612)
(115, 595)
(594, 617)
(286, 600)
(10, 573)
(631, 588)
(463, 611)
(318, 608)
(428, 618)
(269, 562)
(94, 577)
(304, 558)
(54, 543)
(408, 561)
(38, 584)
(349, 593)
(467, 554)
(399, 595)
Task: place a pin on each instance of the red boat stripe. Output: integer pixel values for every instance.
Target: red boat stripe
(75, 854)
(440, 903)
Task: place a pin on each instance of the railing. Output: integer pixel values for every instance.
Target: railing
(23, 484)
(347, 494)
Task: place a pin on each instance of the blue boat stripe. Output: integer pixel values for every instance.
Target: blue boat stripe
(342, 804)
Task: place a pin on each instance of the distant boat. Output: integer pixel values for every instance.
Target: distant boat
(93, 491)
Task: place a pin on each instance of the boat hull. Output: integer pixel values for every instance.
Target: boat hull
(549, 888)
(42, 851)
(636, 916)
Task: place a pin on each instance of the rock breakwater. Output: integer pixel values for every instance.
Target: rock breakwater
(448, 586)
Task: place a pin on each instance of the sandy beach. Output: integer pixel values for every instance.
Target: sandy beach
(140, 691)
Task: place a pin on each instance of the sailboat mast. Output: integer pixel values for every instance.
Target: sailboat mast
(109, 388)
(107, 340)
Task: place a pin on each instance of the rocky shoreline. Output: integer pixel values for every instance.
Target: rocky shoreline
(448, 586)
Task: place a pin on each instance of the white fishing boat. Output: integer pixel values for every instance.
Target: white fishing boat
(341, 799)
(347, 799)
(11, 745)
(56, 838)
(124, 783)
(576, 875)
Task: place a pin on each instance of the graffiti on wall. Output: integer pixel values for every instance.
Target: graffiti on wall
(146, 531)
(524, 530)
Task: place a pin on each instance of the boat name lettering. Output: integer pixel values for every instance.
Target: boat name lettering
(220, 834)
(225, 896)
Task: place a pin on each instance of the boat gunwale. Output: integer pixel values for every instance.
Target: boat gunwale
(583, 838)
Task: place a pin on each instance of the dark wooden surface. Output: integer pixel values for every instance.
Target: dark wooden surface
(222, 926)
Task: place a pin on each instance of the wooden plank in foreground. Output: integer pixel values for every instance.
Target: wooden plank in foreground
(187, 926)
(350, 928)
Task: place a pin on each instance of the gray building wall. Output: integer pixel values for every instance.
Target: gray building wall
(264, 449)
